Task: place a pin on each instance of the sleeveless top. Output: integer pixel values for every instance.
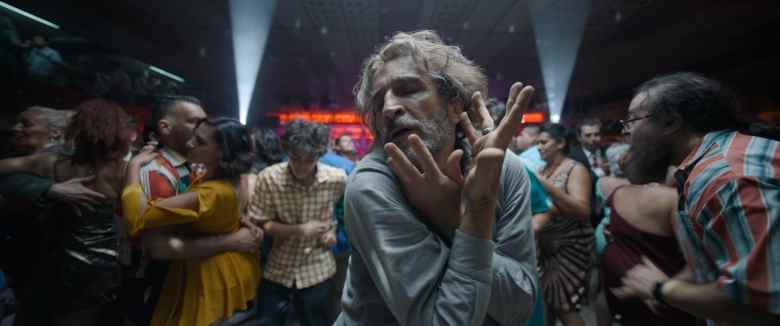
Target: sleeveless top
(625, 247)
(565, 250)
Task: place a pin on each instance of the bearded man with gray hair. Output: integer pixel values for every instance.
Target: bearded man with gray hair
(438, 215)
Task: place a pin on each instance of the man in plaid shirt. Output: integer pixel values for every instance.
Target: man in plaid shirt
(294, 201)
(729, 185)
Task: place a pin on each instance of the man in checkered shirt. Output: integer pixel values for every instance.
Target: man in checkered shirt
(294, 202)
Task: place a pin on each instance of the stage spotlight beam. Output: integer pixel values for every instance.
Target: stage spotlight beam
(558, 28)
(250, 24)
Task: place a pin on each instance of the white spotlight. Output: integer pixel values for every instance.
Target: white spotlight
(251, 22)
(28, 15)
(555, 118)
(558, 28)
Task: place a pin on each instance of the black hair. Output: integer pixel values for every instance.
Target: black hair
(234, 143)
(306, 136)
(559, 133)
(704, 104)
(268, 149)
(163, 106)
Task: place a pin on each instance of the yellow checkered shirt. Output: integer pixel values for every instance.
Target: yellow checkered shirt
(296, 261)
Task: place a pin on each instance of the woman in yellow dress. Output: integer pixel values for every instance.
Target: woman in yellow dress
(201, 291)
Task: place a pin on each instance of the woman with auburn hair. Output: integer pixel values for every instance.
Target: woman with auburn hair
(201, 291)
(80, 283)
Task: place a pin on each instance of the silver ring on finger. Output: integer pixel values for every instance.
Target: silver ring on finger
(486, 131)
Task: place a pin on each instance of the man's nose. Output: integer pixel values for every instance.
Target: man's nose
(392, 106)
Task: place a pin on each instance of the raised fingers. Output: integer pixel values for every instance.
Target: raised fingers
(468, 128)
(428, 164)
(486, 176)
(400, 164)
(485, 121)
(513, 91)
(513, 120)
(453, 168)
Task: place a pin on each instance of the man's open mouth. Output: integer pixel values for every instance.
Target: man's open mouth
(400, 134)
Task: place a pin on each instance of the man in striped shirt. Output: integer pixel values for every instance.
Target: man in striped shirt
(729, 207)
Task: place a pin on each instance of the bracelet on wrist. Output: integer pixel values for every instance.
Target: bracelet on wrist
(658, 294)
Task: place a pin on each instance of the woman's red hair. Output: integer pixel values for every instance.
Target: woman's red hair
(99, 132)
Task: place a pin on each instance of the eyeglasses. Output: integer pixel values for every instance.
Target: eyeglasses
(625, 124)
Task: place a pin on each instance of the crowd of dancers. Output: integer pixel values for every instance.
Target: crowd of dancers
(459, 214)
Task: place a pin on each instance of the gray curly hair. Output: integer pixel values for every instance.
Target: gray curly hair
(56, 120)
(456, 76)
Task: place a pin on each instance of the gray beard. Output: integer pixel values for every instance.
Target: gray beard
(434, 134)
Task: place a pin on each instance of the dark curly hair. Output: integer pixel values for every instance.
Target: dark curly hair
(234, 143)
(268, 149)
(100, 131)
(306, 136)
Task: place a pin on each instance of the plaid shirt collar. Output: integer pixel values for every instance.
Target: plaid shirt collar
(290, 180)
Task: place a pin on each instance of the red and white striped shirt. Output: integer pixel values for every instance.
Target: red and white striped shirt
(729, 217)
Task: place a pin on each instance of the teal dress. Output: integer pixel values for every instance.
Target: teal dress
(540, 203)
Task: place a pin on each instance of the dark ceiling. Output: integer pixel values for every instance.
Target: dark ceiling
(315, 47)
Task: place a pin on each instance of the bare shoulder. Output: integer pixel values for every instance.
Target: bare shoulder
(579, 170)
(660, 199)
(608, 184)
(664, 194)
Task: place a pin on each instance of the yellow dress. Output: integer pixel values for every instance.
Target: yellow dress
(199, 291)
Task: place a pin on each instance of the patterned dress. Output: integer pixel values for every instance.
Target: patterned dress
(565, 248)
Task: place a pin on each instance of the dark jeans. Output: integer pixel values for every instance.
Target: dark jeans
(342, 263)
(312, 304)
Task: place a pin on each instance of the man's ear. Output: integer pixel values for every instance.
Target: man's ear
(672, 123)
(164, 127)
